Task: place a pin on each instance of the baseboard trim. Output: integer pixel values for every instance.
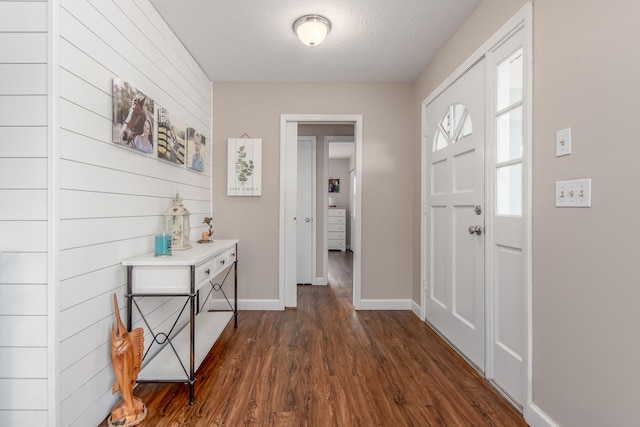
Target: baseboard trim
(321, 281)
(385, 304)
(246, 304)
(535, 417)
(415, 307)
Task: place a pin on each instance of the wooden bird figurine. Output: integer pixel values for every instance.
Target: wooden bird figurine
(126, 358)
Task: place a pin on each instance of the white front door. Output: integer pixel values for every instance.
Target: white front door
(455, 214)
(508, 244)
(305, 211)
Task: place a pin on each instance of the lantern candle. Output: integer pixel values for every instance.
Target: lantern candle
(163, 244)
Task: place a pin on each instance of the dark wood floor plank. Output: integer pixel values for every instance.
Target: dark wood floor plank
(323, 364)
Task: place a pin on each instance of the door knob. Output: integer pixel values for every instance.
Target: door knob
(307, 220)
(475, 229)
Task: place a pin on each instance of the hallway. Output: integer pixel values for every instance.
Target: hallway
(341, 275)
(324, 364)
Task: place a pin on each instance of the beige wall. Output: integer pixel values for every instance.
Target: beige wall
(255, 109)
(585, 286)
(586, 291)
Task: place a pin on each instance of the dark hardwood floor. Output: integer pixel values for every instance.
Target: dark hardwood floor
(323, 364)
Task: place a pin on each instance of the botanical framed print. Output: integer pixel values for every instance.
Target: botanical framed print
(244, 167)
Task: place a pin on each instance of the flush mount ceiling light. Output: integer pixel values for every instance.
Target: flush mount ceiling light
(312, 29)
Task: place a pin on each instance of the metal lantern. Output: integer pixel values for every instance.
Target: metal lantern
(176, 224)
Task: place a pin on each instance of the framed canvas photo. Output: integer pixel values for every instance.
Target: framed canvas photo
(244, 167)
(196, 150)
(171, 137)
(133, 117)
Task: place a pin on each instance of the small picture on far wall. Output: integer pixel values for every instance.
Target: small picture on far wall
(195, 150)
(334, 185)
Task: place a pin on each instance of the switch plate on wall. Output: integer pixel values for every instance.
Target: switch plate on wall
(563, 142)
(573, 194)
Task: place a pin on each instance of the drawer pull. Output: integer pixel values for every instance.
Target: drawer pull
(207, 271)
(222, 262)
(233, 254)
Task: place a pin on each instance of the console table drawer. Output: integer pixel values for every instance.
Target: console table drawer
(204, 271)
(172, 274)
(161, 280)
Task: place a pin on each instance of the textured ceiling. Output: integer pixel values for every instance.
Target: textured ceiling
(370, 40)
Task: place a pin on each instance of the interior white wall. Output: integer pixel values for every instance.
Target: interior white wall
(23, 214)
(105, 202)
(339, 169)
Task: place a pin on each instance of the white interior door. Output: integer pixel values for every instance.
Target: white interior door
(455, 302)
(305, 270)
(289, 211)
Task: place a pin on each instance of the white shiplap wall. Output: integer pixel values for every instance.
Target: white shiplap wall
(112, 199)
(23, 214)
(108, 201)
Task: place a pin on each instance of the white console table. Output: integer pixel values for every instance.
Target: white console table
(183, 274)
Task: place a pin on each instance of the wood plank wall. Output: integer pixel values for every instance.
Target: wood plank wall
(23, 213)
(108, 201)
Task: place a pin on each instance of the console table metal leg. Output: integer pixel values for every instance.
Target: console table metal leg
(129, 297)
(192, 332)
(235, 294)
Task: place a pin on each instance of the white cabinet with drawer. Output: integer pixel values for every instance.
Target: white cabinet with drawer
(337, 229)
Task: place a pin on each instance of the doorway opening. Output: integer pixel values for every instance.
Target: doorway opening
(292, 128)
(341, 207)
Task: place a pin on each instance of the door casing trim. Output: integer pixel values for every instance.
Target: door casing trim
(356, 119)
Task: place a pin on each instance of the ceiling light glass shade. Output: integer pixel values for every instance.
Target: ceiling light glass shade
(312, 29)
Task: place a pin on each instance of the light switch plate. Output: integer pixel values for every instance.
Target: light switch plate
(563, 142)
(573, 194)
